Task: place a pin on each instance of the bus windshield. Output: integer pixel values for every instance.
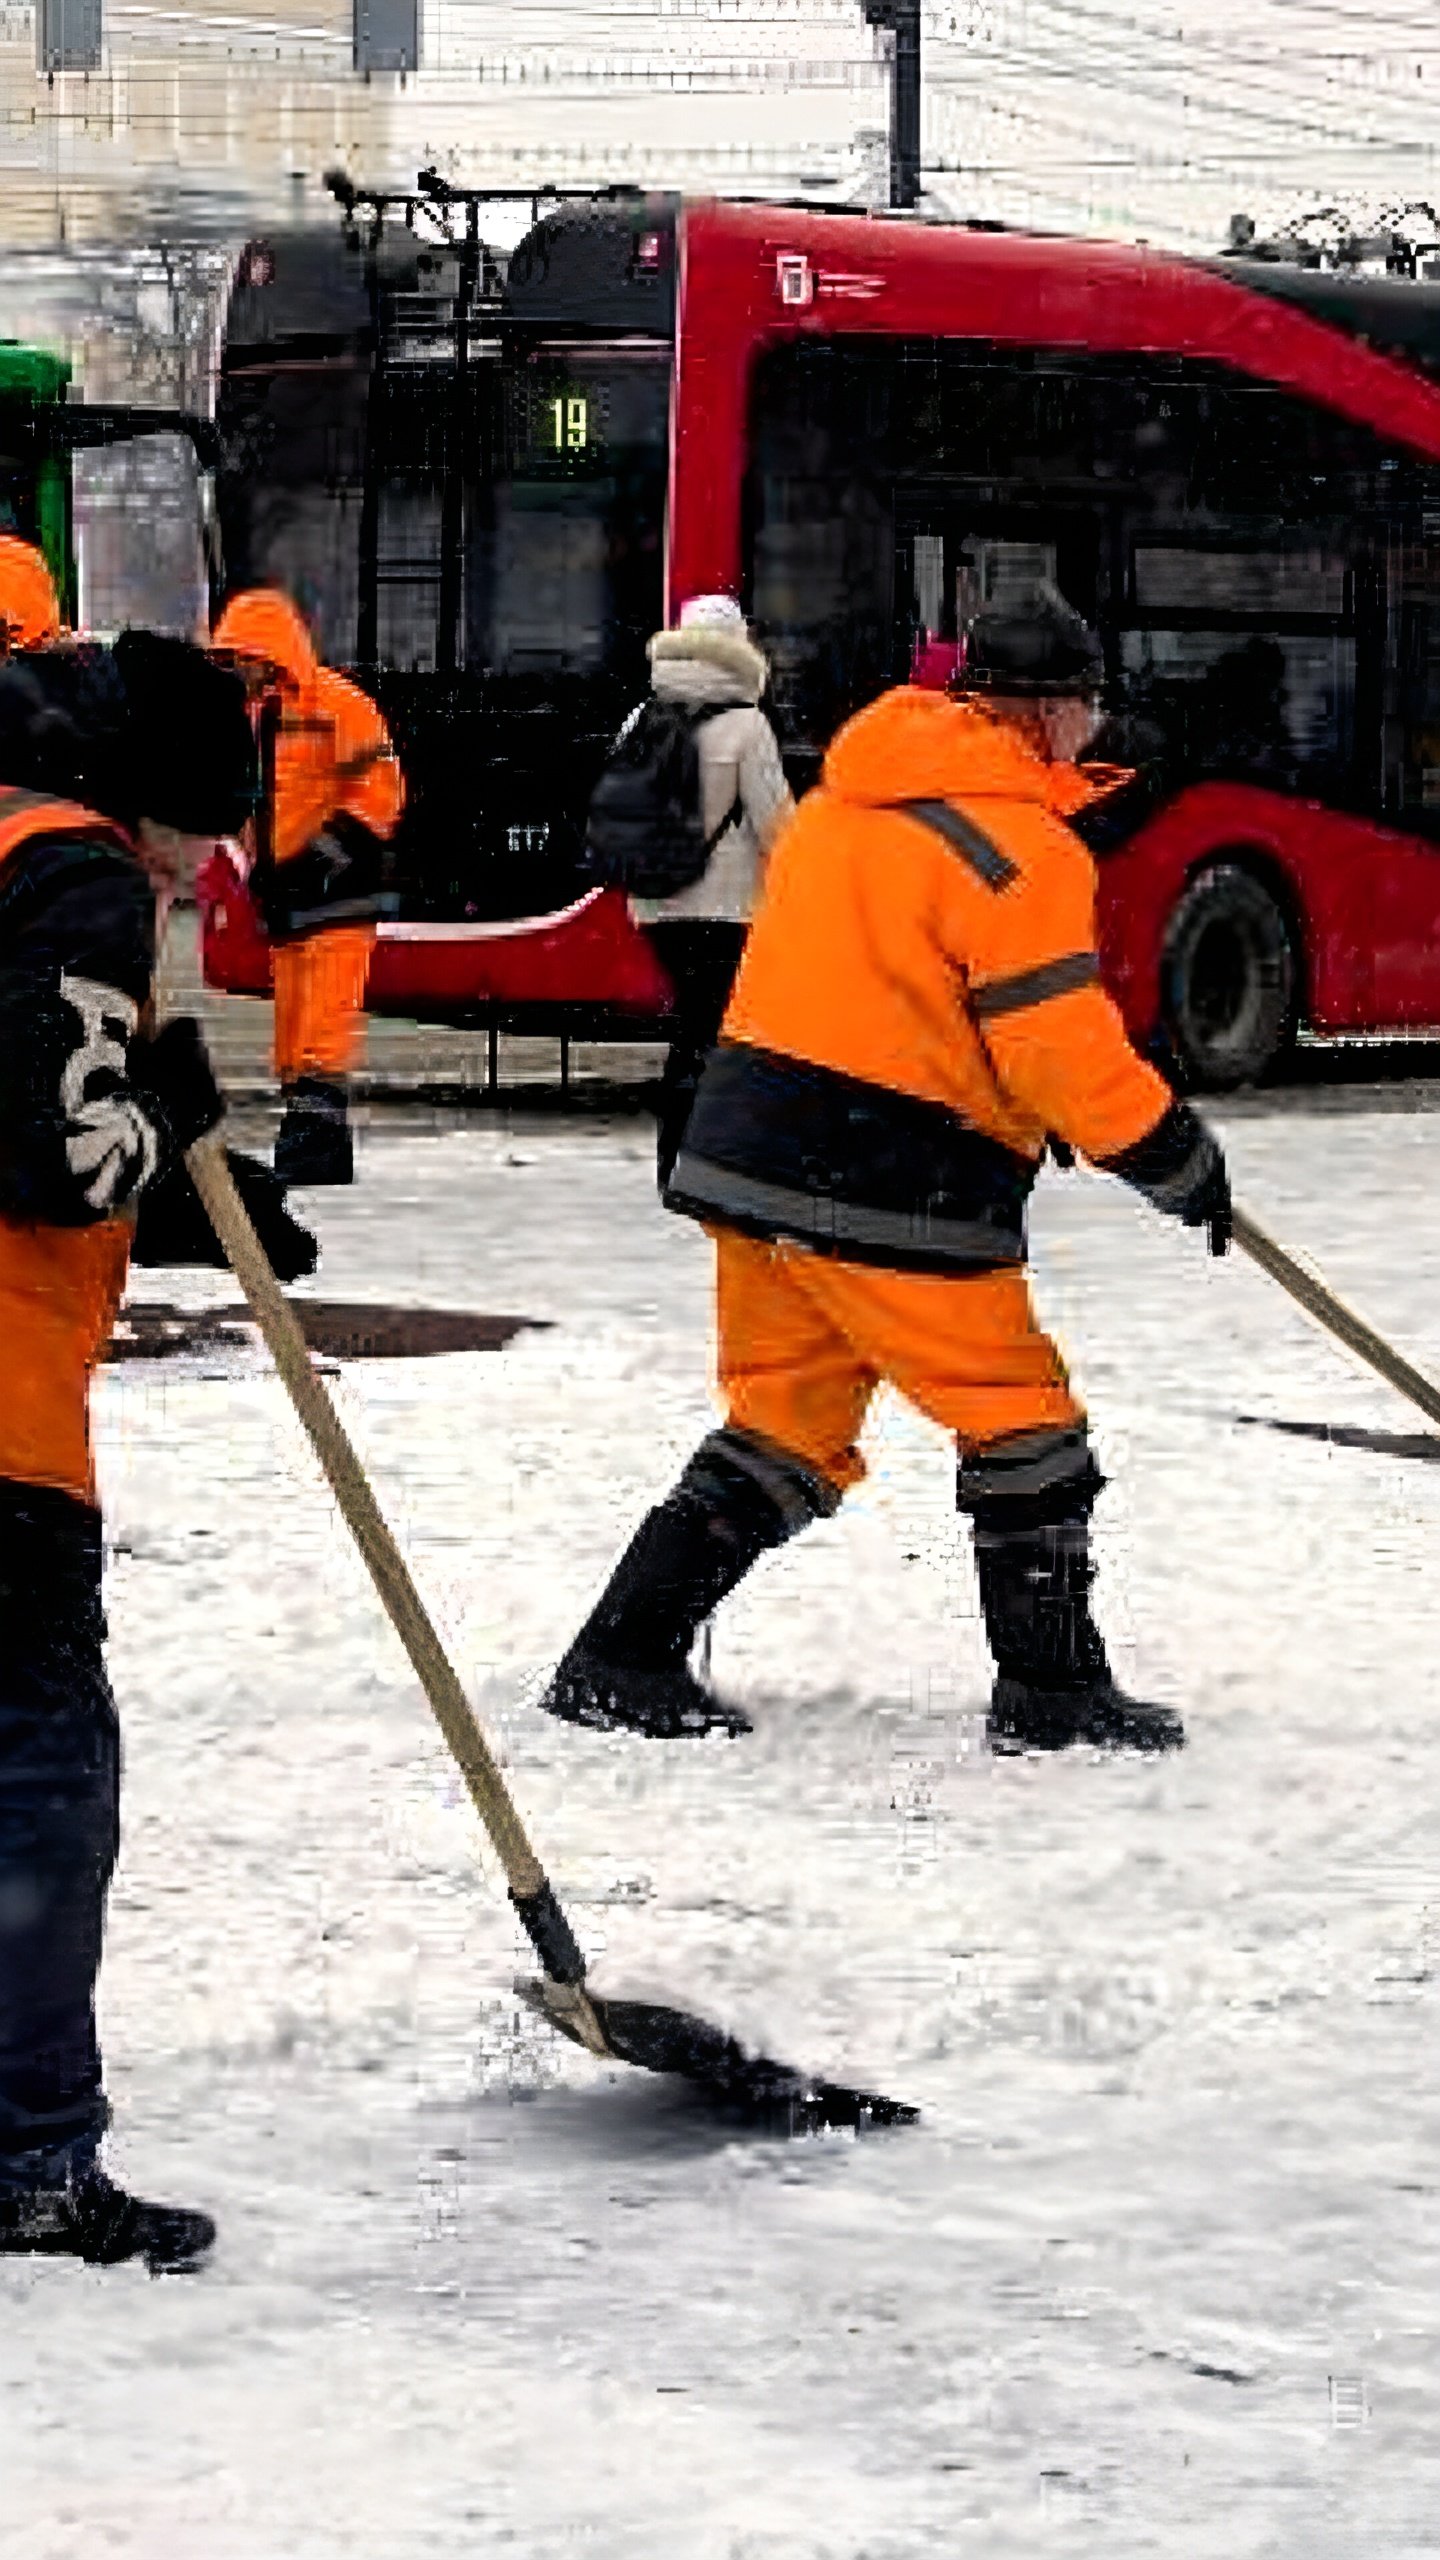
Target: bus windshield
(564, 559)
(336, 486)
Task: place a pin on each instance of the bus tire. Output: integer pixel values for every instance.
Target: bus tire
(1227, 980)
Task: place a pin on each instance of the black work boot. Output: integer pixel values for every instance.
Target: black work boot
(97, 2221)
(628, 1668)
(1053, 1683)
(313, 1145)
(1030, 1497)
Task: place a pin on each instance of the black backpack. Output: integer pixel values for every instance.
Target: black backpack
(645, 832)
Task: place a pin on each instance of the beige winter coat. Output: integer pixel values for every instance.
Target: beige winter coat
(739, 757)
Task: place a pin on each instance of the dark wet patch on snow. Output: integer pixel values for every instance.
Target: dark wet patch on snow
(1205, 2372)
(153, 1329)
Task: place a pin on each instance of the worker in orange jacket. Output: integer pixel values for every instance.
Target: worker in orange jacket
(917, 1013)
(116, 767)
(29, 605)
(334, 799)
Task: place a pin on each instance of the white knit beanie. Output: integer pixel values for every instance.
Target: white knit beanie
(713, 613)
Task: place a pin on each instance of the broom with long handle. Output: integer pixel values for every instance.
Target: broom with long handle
(651, 2037)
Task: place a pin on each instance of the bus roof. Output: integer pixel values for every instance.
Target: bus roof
(304, 290)
(1398, 316)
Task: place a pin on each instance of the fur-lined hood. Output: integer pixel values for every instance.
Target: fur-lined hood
(731, 656)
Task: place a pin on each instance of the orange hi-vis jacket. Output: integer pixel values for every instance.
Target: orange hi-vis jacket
(29, 605)
(61, 1283)
(332, 752)
(918, 1007)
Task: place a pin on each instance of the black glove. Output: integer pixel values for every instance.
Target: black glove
(1181, 1170)
(172, 1072)
(1209, 1205)
(174, 1227)
(342, 876)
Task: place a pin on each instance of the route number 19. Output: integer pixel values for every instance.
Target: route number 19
(569, 425)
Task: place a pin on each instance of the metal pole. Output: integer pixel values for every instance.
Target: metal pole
(905, 110)
(452, 520)
(367, 604)
(900, 19)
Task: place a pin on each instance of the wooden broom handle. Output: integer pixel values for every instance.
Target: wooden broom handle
(1337, 1318)
(388, 1570)
(566, 2001)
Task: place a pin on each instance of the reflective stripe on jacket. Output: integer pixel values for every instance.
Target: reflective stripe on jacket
(918, 1007)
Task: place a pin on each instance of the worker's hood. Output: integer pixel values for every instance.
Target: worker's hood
(700, 663)
(914, 745)
(263, 625)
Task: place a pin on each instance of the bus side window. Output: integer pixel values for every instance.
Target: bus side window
(1412, 760)
(821, 537)
(1243, 659)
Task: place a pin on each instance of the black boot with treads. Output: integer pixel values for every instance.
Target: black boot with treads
(1030, 1498)
(97, 2222)
(314, 1147)
(1053, 1684)
(629, 1668)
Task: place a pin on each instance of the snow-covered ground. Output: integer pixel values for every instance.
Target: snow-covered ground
(1158, 2270)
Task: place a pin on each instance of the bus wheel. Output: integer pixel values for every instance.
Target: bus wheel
(1227, 980)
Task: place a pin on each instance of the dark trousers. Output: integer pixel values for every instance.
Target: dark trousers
(700, 959)
(59, 1833)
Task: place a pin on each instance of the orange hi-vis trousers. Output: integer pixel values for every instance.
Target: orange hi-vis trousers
(320, 1001)
(803, 1343)
(60, 1292)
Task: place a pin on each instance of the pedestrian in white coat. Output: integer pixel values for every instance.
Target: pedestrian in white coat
(698, 933)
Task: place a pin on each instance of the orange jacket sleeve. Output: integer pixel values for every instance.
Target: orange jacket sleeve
(1056, 1043)
(368, 781)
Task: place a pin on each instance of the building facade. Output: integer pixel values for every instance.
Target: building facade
(121, 117)
(124, 118)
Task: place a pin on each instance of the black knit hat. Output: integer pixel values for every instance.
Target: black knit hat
(190, 759)
(1034, 645)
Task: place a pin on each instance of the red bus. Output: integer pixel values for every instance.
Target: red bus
(863, 426)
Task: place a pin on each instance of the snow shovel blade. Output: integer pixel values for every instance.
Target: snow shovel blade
(766, 2096)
